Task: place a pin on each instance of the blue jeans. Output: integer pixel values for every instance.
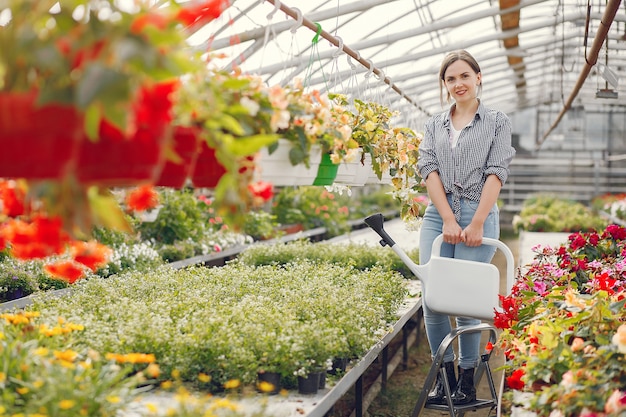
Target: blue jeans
(438, 325)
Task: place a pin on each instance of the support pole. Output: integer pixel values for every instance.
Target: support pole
(590, 60)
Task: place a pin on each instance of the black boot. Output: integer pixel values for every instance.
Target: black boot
(438, 394)
(465, 391)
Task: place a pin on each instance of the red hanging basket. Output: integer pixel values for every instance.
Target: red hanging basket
(118, 159)
(187, 146)
(36, 142)
(208, 170)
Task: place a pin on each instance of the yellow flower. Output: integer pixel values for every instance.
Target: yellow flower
(265, 386)
(66, 404)
(202, 377)
(41, 351)
(22, 390)
(232, 384)
(113, 399)
(153, 370)
(67, 355)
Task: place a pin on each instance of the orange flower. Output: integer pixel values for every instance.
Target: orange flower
(91, 254)
(158, 20)
(69, 271)
(143, 198)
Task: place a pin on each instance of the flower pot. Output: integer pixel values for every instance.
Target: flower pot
(36, 142)
(327, 171)
(268, 382)
(373, 178)
(354, 173)
(208, 170)
(118, 161)
(128, 158)
(322, 383)
(277, 169)
(309, 384)
(339, 366)
(186, 144)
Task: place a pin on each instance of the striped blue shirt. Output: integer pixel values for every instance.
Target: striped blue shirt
(483, 148)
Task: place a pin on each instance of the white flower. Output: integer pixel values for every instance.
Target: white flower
(619, 338)
(250, 105)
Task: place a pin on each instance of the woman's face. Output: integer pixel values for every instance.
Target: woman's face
(461, 81)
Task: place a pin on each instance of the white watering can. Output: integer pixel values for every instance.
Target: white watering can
(455, 286)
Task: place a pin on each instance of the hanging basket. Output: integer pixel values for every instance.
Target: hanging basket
(208, 170)
(117, 161)
(277, 169)
(187, 147)
(354, 173)
(36, 142)
(385, 179)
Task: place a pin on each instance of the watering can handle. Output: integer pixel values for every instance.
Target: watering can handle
(510, 261)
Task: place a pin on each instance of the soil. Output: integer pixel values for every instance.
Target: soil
(404, 385)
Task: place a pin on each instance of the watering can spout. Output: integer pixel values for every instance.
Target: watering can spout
(375, 222)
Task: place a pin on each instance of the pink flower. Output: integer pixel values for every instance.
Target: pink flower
(616, 402)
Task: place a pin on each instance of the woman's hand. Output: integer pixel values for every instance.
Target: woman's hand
(452, 232)
(472, 235)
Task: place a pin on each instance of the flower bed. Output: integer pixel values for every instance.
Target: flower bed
(564, 329)
(209, 321)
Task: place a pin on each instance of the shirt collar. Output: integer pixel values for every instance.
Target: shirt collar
(480, 112)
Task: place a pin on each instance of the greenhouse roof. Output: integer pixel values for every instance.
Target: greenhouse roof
(558, 54)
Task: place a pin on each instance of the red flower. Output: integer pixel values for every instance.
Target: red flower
(41, 238)
(202, 13)
(489, 347)
(261, 190)
(69, 271)
(91, 254)
(514, 381)
(142, 198)
(12, 198)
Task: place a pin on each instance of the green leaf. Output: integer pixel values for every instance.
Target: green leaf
(93, 116)
(106, 211)
(231, 124)
(100, 82)
(250, 145)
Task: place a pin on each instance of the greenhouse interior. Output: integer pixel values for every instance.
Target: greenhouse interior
(270, 208)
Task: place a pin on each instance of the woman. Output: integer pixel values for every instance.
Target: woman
(464, 160)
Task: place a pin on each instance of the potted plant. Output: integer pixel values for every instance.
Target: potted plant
(90, 58)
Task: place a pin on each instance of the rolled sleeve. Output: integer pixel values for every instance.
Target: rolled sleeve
(501, 153)
(427, 161)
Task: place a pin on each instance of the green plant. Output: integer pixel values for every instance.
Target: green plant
(312, 207)
(15, 283)
(196, 321)
(260, 224)
(545, 213)
(181, 216)
(45, 372)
